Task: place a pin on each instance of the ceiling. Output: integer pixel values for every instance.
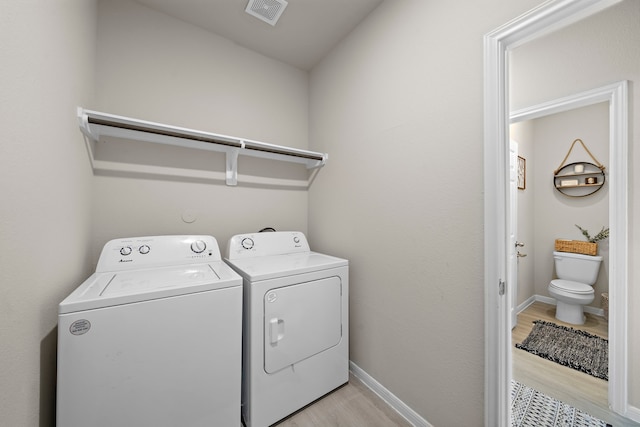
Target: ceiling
(305, 33)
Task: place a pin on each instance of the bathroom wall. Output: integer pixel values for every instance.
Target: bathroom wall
(47, 56)
(399, 106)
(154, 67)
(592, 53)
(551, 214)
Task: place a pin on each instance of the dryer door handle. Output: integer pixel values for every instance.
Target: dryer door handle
(276, 330)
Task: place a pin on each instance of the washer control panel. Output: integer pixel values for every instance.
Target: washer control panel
(266, 244)
(151, 251)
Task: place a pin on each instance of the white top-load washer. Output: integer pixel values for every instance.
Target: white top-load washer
(296, 323)
(152, 338)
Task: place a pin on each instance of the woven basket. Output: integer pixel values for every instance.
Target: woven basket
(576, 247)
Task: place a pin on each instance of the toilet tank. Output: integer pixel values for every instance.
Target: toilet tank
(577, 267)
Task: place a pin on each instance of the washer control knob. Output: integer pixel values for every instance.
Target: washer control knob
(125, 250)
(198, 246)
(296, 239)
(144, 249)
(247, 243)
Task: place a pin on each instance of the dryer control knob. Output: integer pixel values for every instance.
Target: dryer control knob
(126, 250)
(198, 246)
(144, 249)
(247, 243)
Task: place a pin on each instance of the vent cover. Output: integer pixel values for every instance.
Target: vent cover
(268, 11)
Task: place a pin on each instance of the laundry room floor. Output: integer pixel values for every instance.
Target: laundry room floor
(351, 405)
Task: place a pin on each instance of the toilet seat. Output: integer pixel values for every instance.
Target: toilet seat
(572, 287)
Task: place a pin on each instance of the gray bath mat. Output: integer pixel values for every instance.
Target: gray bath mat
(570, 347)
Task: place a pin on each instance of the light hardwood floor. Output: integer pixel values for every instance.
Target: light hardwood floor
(576, 388)
(352, 405)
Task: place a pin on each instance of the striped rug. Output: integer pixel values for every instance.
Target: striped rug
(531, 408)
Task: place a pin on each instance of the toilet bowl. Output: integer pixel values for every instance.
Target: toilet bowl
(571, 297)
(573, 287)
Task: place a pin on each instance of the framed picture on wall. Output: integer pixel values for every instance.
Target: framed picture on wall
(522, 173)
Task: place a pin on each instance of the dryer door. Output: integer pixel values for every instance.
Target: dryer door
(301, 321)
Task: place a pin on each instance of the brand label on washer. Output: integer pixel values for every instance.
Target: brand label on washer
(272, 297)
(80, 327)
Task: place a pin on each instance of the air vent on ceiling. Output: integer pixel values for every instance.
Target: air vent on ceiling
(268, 11)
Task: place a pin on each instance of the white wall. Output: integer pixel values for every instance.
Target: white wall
(600, 50)
(399, 107)
(154, 67)
(47, 56)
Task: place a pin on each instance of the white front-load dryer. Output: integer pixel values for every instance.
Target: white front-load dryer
(152, 338)
(296, 323)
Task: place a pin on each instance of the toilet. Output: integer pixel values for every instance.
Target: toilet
(573, 288)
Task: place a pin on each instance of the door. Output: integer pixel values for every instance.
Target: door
(301, 321)
(512, 267)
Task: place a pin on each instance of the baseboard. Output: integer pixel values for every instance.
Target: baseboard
(551, 301)
(398, 405)
(520, 308)
(633, 413)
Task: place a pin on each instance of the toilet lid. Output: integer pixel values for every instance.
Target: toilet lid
(574, 287)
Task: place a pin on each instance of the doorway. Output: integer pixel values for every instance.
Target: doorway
(544, 214)
(550, 16)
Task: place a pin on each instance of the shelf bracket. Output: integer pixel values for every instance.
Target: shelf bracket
(232, 166)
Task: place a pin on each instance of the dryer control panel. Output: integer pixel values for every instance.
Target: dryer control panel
(145, 252)
(266, 244)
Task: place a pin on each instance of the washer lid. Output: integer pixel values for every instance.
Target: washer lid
(125, 287)
(570, 286)
(138, 282)
(270, 267)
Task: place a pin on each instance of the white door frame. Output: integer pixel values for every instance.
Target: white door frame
(547, 17)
